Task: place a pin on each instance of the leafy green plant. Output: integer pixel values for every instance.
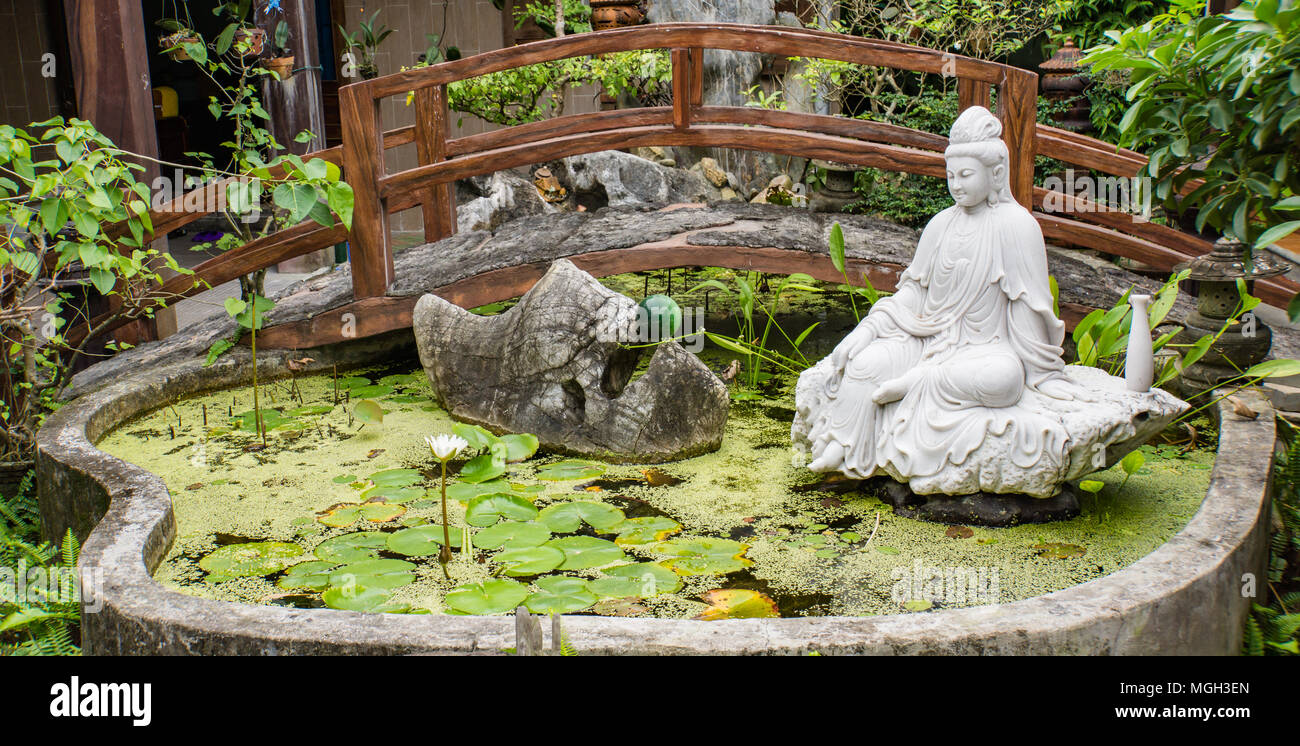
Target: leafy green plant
(867, 291)
(61, 186)
(43, 620)
(1217, 98)
(574, 18)
(363, 44)
(1273, 627)
(752, 344)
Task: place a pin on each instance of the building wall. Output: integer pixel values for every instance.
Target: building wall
(25, 95)
(474, 26)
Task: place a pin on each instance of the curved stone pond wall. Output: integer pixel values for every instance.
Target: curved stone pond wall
(1183, 598)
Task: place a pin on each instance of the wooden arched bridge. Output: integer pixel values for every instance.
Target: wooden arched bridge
(688, 122)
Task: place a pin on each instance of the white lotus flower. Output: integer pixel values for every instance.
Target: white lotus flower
(445, 447)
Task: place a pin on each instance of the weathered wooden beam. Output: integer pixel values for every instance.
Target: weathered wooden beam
(1018, 110)
(972, 93)
(431, 118)
(363, 154)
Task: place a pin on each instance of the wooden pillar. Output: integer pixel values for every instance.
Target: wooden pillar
(431, 118)
(296, 102)
(1018, 110)
(110, 71)
(683, 88)
(972, 93)
(363, 165)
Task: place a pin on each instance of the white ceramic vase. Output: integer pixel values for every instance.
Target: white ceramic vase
(1140, 365)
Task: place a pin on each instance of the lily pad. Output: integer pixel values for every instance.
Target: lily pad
(344, 479)
(530, 560)
(918, 604)
(635, 531)
(465, 491)
(394, 495)
(369, 412)
(582, 552)
(351, 547)
(565, 470)
(486, 510)
(481, 468)
(1059, 551)
(361, 598)
(346, 514)
(652, 579)
(489, 597)
(478, 438)
(374, 573)
(512, 535)
(565, 518)
(370, 392)
(402, 379)
(520, 447)
(251, 560)
(560, 595)
(704, 556)
(738, 604)
(311, 411)
(312, 576)
(396, 478)
(422, 541)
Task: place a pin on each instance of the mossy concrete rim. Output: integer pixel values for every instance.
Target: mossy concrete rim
(1186, 597)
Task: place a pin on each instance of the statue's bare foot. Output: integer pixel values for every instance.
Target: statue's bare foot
(891, 390)
(832, 458)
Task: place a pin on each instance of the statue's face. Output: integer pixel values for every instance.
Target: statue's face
(969, 182)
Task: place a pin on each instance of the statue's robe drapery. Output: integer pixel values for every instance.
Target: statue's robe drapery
(972, 326)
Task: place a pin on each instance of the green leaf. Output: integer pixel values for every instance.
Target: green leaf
(704, 556)
(489, 597)
(520, 447)
(567, 517)
(1280, 368)
(1091, 485)
(360, 598)
(650, 579)
(374, 573)
(219, 347)
(512, 535)
(566, 470)
(481, 468)
(252, 559)
(530, 560)
(369, 412)
(560, 595)
(738, 604)
(351, 547)
(312, 576)
(340, 198)
(486, 510)
(478, 438)
(1277, 233)
(1132, 462)
(103, 280)
(422, 541)
(837, 248)
(583, 552)
(636, 531)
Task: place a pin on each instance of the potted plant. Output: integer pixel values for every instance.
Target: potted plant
(239, 34)
(281, 65)
(608, 14)
(179, 34)
(363, 44)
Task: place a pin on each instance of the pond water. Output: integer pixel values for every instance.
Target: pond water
(744, 519)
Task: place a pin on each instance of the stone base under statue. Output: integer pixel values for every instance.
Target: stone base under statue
(980, 509)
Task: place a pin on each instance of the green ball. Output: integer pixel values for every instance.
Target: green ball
(663, 317)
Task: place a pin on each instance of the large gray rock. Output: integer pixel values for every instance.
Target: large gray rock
(631, 180)
(553, 366)
(485, 203)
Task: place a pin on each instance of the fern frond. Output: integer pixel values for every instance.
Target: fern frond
(70, 550)
(1253, 644)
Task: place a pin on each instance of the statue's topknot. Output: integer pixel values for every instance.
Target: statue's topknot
(976, 124)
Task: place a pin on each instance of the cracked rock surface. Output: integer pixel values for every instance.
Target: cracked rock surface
(553, 366)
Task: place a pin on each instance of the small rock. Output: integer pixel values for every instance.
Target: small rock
(716, 176)
(729, 194)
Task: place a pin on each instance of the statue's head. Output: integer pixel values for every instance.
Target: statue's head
(977, 159)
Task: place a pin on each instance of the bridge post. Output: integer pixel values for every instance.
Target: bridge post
(972, 93)
(1018, 110)
(683, 87)
(363, 165)
(431, 117)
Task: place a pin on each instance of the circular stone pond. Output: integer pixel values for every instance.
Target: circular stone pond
(633, 555)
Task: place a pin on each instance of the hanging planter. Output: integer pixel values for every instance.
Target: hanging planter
(174, 42)
(610, 14)
(253, 38)
(281, 66)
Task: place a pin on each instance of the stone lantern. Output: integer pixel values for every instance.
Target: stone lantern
(836, 192)
(1213, 281)
(1063, 81)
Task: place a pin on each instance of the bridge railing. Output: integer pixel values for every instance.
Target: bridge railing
(686, 123)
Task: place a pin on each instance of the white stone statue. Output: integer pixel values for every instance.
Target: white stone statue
(955, 384)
